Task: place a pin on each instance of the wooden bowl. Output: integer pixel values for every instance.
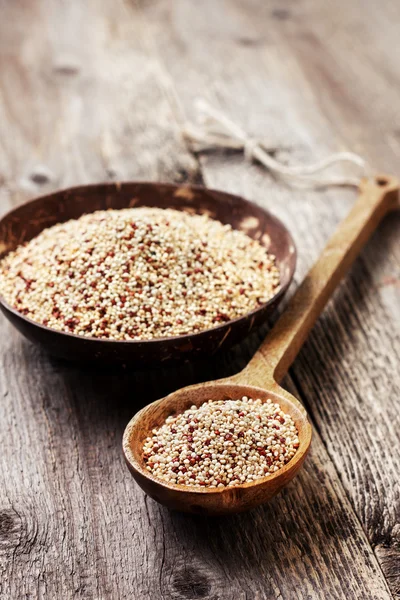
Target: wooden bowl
(211, 501)
(28, 220)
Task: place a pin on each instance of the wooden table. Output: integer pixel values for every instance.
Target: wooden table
(98, 90)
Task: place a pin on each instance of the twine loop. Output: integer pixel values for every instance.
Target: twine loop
(249, 148)
(216, 130)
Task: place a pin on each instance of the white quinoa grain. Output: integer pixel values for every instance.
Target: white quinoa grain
(262, 439)
(138, 273)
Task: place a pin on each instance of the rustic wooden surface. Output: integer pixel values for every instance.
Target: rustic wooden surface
(98, 90)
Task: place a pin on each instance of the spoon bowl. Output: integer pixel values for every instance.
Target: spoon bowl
(211, 501)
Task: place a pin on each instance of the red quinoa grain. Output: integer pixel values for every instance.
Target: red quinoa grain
(145, 272)
(221, 458)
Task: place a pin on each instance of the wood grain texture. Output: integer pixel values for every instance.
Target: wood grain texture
(97, 90)
(308, 115)
(78, 526)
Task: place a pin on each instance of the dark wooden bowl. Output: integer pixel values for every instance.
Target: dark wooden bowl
(29, 219)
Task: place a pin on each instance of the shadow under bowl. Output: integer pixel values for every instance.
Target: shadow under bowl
(27, 220)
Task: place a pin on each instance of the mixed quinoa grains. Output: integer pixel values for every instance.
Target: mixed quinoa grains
(222, 443)
(138, 273)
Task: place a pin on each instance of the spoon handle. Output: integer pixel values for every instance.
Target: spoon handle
(281, 346)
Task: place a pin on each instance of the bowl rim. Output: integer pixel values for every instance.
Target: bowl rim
(249, 315)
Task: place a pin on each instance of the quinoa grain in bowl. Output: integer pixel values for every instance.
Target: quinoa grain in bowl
(137, 274)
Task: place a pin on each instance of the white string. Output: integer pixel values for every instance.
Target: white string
(216, 130)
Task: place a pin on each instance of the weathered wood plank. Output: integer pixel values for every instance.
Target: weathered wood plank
(77, 526)
(80, 100)
(73, 524)
(324, 82)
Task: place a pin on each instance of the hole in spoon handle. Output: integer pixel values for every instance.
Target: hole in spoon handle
(270, 363)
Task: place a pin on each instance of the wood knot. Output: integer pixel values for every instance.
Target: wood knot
(191, 583)
(111, 173)
(281, 14)
(6, 523)
(249, 41)
(11, 529)
(66, 69)
(41, 175)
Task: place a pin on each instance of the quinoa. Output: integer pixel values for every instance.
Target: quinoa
(222, 443)
(138, 273)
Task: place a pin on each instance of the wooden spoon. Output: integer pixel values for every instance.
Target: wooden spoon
(261, 376)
